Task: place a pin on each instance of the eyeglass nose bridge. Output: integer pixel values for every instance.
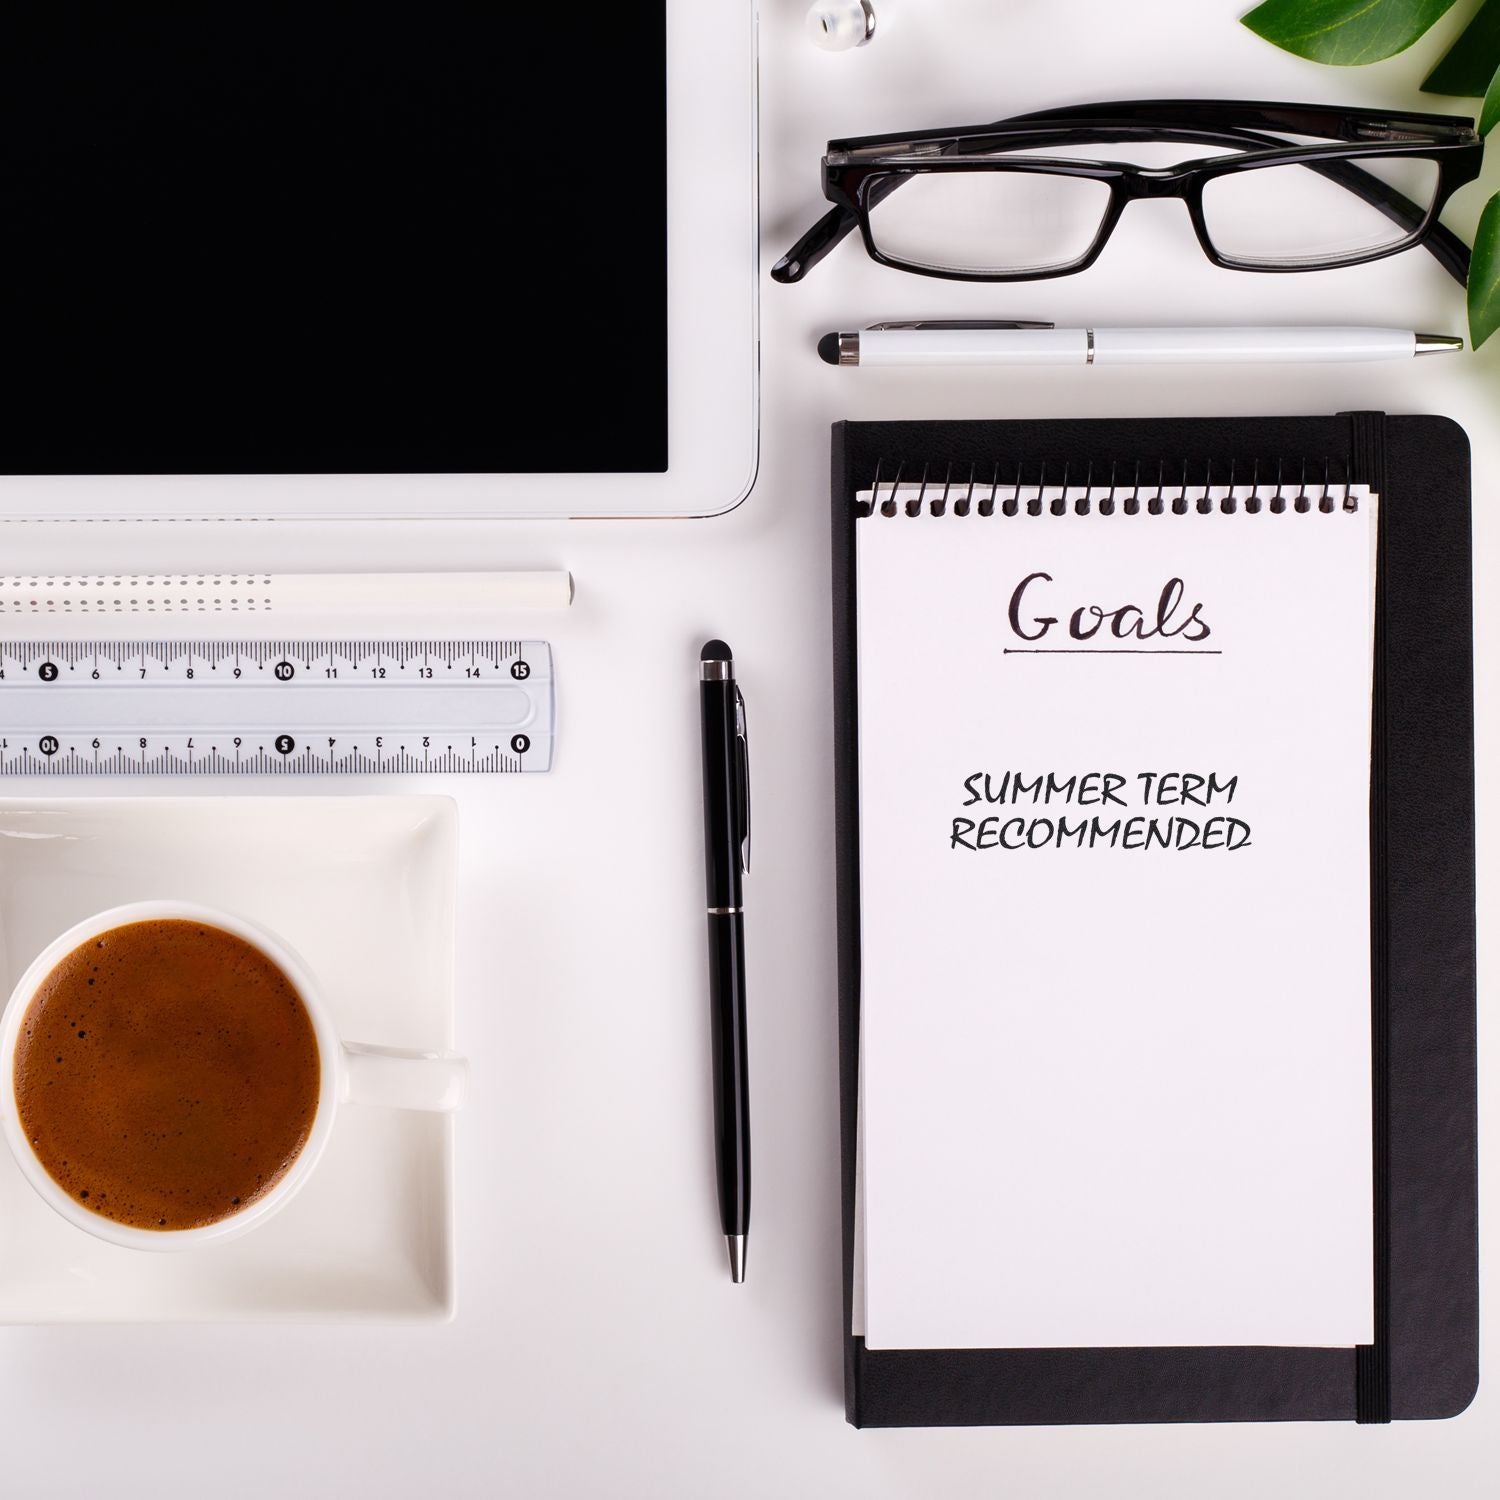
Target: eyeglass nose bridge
(1156, 182)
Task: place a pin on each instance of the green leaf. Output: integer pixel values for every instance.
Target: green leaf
(1344, 32)
(1484, 275)
(1491, 111)
(1470, 63)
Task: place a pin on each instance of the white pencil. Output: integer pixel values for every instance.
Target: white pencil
(393, 597)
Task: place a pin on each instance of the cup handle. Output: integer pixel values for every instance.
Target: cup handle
(404, 1080)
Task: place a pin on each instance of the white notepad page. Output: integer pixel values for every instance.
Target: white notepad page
(1115, 1093)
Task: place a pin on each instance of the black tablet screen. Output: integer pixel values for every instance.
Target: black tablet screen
(320, 238)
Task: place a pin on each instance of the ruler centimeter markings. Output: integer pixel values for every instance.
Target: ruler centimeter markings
(292, 707)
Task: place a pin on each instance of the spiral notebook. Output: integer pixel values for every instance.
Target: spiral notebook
(1113, 846)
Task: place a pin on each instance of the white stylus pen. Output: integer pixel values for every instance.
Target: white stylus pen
(965, 342)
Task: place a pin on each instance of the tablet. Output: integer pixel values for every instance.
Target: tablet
(318, 260)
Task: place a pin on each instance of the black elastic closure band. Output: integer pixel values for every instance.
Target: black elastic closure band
(1372, 1362)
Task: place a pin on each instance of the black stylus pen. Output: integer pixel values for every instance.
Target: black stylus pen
(726, 848)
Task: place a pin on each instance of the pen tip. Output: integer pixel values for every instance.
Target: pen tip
(828, 348)
(716, 651)
(736, 1243)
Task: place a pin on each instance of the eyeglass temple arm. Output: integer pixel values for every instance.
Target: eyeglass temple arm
(829, 231)
(1166, 119)
(814, 245)
(1330, 120)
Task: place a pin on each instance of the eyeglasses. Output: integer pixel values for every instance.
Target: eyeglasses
(978, 204)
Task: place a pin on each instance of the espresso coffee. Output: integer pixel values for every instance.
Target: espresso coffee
(167, 1074)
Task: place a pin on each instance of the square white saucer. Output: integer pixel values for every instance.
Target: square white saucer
(363, 889)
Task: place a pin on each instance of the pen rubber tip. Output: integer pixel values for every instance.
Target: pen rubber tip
(828, 348)
(716, 651)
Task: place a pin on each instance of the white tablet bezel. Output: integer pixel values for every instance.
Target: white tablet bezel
(713, 349)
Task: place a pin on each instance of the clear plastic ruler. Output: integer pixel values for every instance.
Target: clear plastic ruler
(255, 708)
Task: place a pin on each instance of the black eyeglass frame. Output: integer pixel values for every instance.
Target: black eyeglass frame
(859, 171)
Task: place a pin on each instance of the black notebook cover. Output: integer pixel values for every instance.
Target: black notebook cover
(1424, 1362)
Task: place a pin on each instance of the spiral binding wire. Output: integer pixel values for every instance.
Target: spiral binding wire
(961, 489)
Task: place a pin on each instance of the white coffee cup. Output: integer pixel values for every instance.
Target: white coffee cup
(348, 1074)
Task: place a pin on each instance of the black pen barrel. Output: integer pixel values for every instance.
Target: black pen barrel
(725, 831)
(726, 982)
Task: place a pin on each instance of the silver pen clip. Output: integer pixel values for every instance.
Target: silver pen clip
(742, 768)
(951, 323)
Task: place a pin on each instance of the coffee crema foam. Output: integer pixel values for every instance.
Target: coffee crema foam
(167, 1074)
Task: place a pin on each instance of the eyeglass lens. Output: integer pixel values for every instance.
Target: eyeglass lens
(1296, 215)
(989, 221)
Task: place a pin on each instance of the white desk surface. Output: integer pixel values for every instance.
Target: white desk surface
(599, 1347)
